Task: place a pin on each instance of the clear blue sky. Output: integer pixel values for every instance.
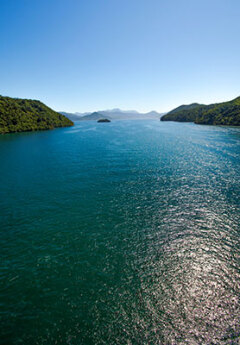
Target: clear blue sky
(85, 55)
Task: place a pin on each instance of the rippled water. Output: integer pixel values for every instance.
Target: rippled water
(120, 233)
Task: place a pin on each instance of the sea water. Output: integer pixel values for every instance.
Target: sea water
(120, 233)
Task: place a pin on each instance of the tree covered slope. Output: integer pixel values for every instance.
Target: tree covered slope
(21, 115)
(226, 113)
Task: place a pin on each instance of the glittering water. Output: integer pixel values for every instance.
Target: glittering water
(120, 233)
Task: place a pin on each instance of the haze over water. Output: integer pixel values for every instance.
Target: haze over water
(120, 233)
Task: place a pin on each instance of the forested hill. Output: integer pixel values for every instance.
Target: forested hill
(226, 113)
(21, 115)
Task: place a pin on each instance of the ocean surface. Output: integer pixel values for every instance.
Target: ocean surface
(121, 233)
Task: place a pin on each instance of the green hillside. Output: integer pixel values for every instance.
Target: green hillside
(186, 107)
(226, 113)
(21, 115)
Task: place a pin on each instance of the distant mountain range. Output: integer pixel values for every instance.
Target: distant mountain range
(114, 114)
(226, 113)
(73, 116)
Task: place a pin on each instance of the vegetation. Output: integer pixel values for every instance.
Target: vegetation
(104, 120)
(21, 115)
(227, 113)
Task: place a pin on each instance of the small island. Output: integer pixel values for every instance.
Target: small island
(104, 120)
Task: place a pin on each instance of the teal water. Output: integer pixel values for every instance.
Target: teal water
(120, 233)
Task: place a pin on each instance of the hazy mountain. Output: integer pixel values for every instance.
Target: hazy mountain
(113, 114)
(117, 110)
(93, 117)
(117, 114)
(154, 114)
(74, 116)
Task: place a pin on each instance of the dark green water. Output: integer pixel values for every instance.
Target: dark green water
(121, 233)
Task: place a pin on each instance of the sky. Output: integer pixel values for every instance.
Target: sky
(87, 55)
